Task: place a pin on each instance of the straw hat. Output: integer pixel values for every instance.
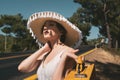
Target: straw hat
(36, 21)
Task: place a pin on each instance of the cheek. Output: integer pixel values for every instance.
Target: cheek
(54, 33)
(50, 33)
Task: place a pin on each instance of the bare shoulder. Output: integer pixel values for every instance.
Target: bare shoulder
(68, 48)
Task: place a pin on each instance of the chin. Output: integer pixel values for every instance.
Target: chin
(47, 38)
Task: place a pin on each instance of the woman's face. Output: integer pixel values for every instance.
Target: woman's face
(50, 31)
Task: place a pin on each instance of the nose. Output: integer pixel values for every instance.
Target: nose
(45, 28)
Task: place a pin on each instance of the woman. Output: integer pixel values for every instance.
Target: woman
(57, 57)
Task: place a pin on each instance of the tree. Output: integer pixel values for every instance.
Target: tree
(7, 31)
(105, 15)
(1, 43)
(15, 26)
(83, 22)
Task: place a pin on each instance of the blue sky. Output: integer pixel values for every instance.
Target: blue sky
(28, 7)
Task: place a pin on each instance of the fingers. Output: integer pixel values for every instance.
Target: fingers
(73, 56)
(74, 51)
(46, 47)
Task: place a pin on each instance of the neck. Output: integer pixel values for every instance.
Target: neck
(55, 43)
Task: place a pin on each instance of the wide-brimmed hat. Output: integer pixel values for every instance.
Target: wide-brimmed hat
(36, 21)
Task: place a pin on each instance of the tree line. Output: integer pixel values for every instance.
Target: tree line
(104, 14)
(17, 37)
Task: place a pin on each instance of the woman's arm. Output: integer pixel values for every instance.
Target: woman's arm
(58, 75)
(32, 62)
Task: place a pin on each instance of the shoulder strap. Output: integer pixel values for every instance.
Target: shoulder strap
(62, 52)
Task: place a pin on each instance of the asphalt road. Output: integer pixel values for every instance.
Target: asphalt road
(8, 66)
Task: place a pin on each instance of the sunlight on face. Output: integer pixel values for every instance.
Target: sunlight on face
(50, 30)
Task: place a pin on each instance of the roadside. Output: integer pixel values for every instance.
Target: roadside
(107, 66)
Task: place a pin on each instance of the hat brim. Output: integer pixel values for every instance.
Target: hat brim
(36, 22)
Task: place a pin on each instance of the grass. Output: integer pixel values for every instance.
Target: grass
(114, 51)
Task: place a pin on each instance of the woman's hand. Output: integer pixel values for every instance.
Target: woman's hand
(46, 47)
(71, 53)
